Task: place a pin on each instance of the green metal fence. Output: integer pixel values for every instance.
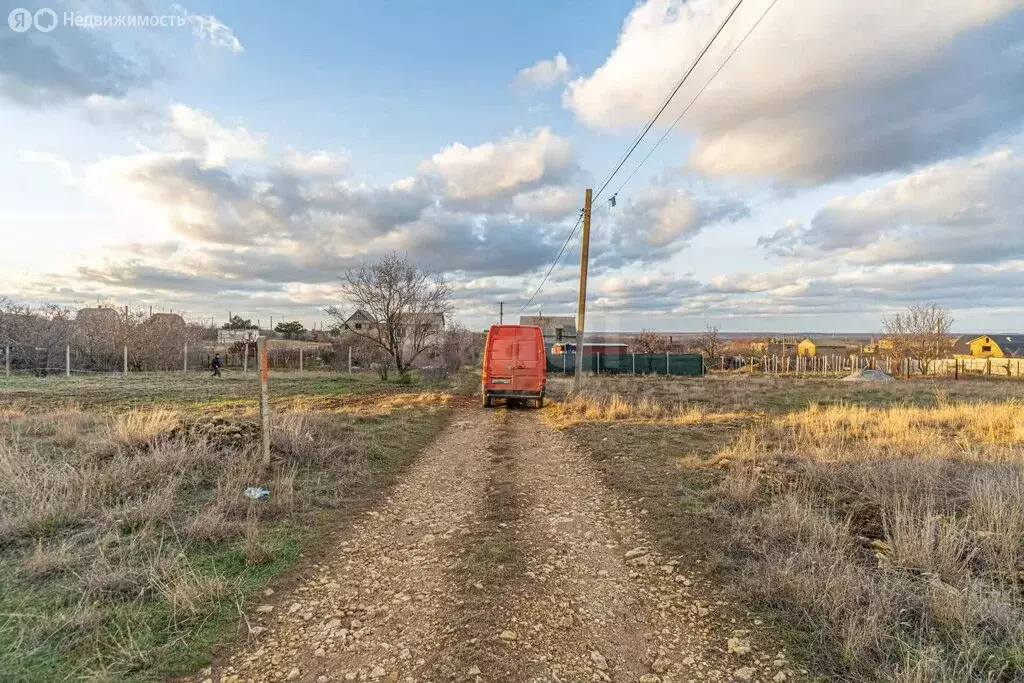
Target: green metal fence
(674, 364)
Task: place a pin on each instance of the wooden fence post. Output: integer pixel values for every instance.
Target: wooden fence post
(668, 365)
(245, 359)
(67, 360)
(125, 360)
(7, 362)
(184, 365)
(300, 359)
(634, 362)
(261, 352)
(350, 360)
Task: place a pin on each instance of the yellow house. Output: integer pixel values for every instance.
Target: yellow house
(877, 347)
(809, 347)
(989, 346)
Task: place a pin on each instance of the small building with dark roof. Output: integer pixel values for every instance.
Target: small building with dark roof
(555, 328)
(989, 346)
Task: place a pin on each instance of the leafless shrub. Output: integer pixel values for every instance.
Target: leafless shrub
(649, 341)
(710, 342)
(921, 332)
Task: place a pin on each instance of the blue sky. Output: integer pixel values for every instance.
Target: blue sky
(849, 160)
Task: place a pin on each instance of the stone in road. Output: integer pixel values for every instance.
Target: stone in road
(501, 556)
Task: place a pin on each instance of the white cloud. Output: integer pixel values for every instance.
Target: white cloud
(543, 74)
(217, 144)
(123, 111)
(962, 210)
(318, 163)
(212, 30)
(821, 89)
(511, 165)
(551, 201)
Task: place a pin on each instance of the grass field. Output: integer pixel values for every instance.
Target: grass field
(127, 548)
(882, 524)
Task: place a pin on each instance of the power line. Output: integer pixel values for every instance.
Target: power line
(668, 100)
(639, 138)
(696, 97)
(553, 263)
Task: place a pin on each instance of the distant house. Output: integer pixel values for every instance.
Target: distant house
(233, 336)
(873, 347)
(361, 322)
(989, 346)
(822, 347)
(555, 328)
(167, 320)
(96, 316)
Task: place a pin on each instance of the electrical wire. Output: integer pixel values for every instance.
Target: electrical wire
(668, 100)
(553, 263)
(643, 132)
(696, 97)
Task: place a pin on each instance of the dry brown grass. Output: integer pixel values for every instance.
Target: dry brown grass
(590, 407)
(885, 523)
(124, 533)
(137, 428)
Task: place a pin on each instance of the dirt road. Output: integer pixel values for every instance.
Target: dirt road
(501, 556)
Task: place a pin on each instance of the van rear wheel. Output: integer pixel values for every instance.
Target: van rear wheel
(539, 402)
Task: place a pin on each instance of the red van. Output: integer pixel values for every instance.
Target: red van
(515, 366)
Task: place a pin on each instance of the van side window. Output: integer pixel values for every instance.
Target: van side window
(558, 333)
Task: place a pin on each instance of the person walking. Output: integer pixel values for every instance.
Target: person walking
(215, 364)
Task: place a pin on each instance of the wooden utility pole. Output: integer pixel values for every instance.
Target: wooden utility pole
(261, 353)
(581, 304)
(501, 312)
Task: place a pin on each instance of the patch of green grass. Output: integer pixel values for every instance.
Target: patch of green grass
(132, 589)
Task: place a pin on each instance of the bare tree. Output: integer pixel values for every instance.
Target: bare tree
(401, 308)
(710, 342)
(37, 335)
(459, 347)
(649, 341)
(921, 332)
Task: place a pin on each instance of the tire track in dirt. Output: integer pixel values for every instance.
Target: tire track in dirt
(502, 556)
(596, 602)
(382, 610)
(491, 565)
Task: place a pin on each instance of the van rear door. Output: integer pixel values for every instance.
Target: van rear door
(529, 361)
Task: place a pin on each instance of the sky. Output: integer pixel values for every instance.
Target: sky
(824, 165)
